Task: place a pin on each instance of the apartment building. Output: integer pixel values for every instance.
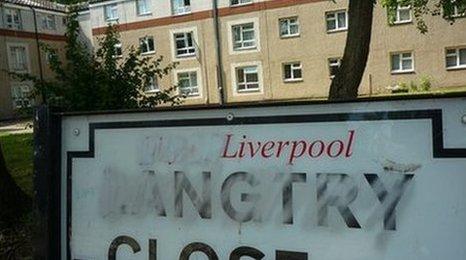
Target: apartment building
(24, 25)
(239, 50)
(278, 49)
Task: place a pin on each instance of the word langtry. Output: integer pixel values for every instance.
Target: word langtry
(291, 149)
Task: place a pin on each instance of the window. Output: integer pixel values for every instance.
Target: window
(184, 44)
(118, 50)
(48, 22)
(111, 12)
(188, 83)
(181, 7)
(18, 58)
(21, 96)
(333, 66)
(244, 36)
(456, 58)
(12, 18)
(247, 79)
(337, 21)
(402, 62)
(292, 72)
(289, 27)
(459, 11)
(240, 2)
(143, 7)
(146, 45)
(403, 15)
(152, 85)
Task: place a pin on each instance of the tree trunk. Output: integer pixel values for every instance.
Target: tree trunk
(348, 78)
(13, 200)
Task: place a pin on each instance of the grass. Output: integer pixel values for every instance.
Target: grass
(17, 149)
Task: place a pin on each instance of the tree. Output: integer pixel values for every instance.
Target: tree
(88, 81)
(348, 78)
(13, 201)
(102, 80)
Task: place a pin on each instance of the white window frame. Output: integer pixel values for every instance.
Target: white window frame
(145, 40)
(288, 24)
(256, 48)
(181, 10)
(199, 82)
(13, 12)
(338, 27)
(188, 56)
(147, 7)
(241, 2)
(235, 82)
(14, 99)
(331, 63)
(117, 46)
(113, 8)
(49, 22)
(457, 14)
(294, 66)
(457, 56)
(401, 70)
(10, 62)
(152, 86)
(399, 9)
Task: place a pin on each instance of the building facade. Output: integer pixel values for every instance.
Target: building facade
(280, 49)
(24, 26)
(268, 50)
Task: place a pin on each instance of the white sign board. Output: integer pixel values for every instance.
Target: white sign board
(379, 180)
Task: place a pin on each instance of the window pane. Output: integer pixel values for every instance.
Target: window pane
(462, 56)
(407, 64)
(248, 35)
(240, 75)
(451, 61)
(331, 24)
(252, 77)
(151, 44)
(341, 20)
(404, 15)
(283, 27)
(294, 29)
(297, 73)
(395, 62)
(287, 71)
(193, 77)
(180, 44)
(237, 33)
(189, 37)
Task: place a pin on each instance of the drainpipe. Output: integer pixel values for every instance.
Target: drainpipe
(221, 90)
(39, 59)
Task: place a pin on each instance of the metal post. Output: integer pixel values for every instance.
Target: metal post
(220, 87)
(47, 180)
(39, 58)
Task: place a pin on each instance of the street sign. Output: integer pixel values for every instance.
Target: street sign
(363, 180)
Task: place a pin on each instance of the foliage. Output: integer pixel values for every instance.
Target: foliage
(16, 242)
(424, 84)
(445, 8)
(17, 149)
(100, 80)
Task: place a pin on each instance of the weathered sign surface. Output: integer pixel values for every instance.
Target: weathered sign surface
(380, 180)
